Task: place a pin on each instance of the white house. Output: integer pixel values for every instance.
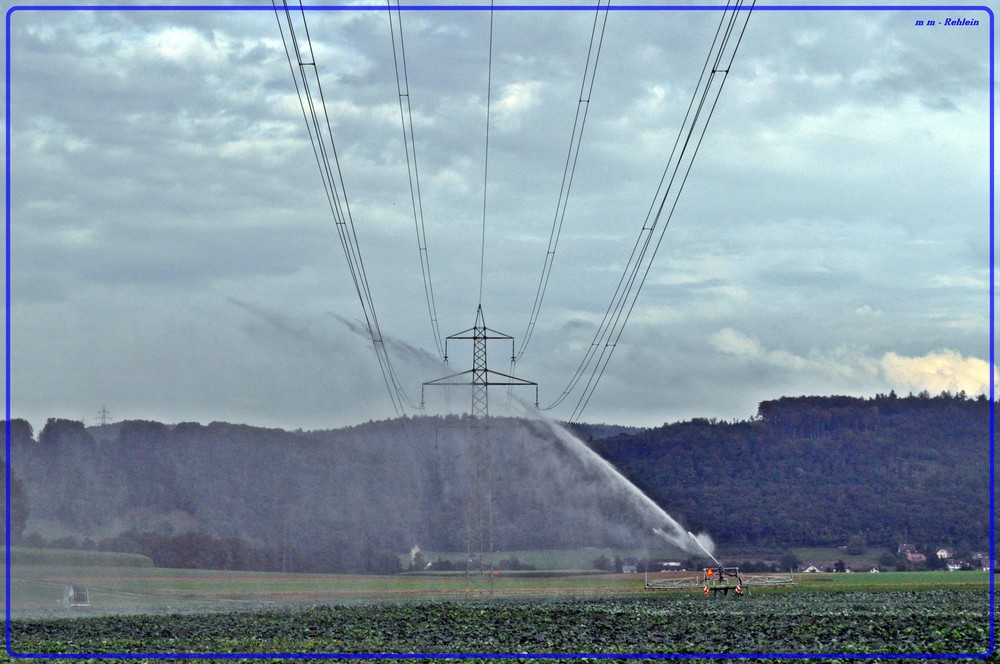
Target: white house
(75, 595)
(943, 554)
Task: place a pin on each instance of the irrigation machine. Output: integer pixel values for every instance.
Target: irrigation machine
(715, 580)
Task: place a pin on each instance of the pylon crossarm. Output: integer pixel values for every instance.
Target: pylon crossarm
(462, 334)
(466, 334)
(499, 335)
(511, 380)
(447, 379)
(480, 377)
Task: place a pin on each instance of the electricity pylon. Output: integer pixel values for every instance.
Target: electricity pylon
(479, 517)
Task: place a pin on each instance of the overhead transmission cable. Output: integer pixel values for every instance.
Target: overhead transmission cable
(302, 64)
(410, 144)
(569, 169)
(486, 157)
(725, 44)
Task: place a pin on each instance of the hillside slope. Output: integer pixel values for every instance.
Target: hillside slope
(818, 470)
(806, 471)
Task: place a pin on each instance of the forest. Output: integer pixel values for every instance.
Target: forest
(815, 471)
(804, 471)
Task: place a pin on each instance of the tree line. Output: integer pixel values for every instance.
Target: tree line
(817, 471)
(804, 471)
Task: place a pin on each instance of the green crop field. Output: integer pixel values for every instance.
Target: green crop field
(163, 611)
(77, 558)
(37, 589)
(551, 559)
(901, 622)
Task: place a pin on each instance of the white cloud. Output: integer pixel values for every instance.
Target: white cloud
(734, 342)
(867, 311)
(516, 99)
(807, 37)
(181, 45)
(938, 371)
(978, 281)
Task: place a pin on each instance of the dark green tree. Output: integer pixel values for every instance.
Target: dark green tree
(788, 562)
(887, 560)
(417, 562)
(602, 562)
(934, 563)
(18, 507)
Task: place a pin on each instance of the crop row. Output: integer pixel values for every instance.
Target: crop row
(808, 623)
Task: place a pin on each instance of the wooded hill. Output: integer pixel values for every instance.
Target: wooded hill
(814, 471)
(806, 471)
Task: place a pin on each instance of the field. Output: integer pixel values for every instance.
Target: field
(824, 557)
(814, 623)
(557, 559)
(192, 611)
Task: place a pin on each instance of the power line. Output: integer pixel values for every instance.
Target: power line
(669, 193)
(410, 144)
(569, 169)
(702, 106)
(314, 111)
(572, 154)
(486, 158)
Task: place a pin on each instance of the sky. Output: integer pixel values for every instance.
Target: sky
(173, 256)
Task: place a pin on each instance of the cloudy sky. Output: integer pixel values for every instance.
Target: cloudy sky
(173, 256)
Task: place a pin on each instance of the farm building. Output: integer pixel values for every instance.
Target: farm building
(75, 595)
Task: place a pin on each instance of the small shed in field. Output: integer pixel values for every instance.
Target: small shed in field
(75, 595)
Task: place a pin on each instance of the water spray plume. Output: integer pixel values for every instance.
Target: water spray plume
(700, 540)
(669, 529)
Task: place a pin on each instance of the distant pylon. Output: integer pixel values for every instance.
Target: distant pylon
(103, 415)
(479, 513)
(480, 376)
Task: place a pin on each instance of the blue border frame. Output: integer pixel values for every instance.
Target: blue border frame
(186, 8)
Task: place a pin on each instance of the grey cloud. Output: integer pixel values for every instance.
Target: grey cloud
(840, 170)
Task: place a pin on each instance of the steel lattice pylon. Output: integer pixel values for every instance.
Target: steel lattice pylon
(480, 376)
(479, 517)
(479, 520)
(480, 373)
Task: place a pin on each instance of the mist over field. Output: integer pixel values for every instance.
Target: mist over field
(335, 499)
(807, 471)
